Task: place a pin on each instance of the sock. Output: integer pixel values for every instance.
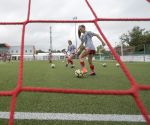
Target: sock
(71, 62)
(82, 64)
(68, 61)
(92, 67)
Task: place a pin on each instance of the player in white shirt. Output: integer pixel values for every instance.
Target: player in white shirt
(70, 54)
(89, 48)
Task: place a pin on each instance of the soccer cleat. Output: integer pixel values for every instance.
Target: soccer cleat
(92, 73)
(66, 65)
(84, 70)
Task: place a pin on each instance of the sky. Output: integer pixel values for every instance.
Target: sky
(38, 34)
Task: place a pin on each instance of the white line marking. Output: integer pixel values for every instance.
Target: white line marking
(74, 117)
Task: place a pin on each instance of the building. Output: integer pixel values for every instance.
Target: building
(4, 51)
(45, 56)
(29, 52)
(4, 48)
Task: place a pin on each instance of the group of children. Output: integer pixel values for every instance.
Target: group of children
(5, 57)
(86, 48)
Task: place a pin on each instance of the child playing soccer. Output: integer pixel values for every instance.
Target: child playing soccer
(89, 49)
(71, 53)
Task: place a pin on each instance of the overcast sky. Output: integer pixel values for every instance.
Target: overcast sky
(38, 34)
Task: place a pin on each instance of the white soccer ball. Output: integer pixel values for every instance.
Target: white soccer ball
(78, 73)
(52, 65)
(117, 64)
(104, 64)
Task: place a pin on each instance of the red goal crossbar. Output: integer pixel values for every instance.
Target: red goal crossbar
(133, 91)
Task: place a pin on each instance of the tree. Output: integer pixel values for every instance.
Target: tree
(136, 37)
(100, 49)
(103, 51)
(147, 37)
(58, 51)
(39, 51)
(63, 50)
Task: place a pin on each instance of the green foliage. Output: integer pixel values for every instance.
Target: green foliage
(136, 37)
(39, 51)
(103, 51)
(99, 47)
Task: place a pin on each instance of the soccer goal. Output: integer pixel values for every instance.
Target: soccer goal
(133, 91)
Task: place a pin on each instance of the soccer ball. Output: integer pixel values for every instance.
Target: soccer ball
(52, 65)
(104, 64)
(117, 65)
(78, 73)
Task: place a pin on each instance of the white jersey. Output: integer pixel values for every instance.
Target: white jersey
(71, 49)
(87, 39)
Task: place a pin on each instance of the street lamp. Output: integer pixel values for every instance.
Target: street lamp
(144, 52)
(75, 18)
(50, 47)
(121, 49)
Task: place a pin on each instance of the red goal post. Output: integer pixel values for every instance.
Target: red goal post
(133, 91)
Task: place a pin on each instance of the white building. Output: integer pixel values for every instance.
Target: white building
(29, 52)
(55, 56)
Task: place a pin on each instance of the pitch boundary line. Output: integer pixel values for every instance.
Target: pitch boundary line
(74, 117)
